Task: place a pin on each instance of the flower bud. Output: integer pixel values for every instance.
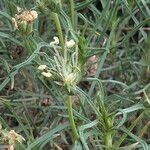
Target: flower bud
(46, 74)
(70, 44)
(42, 67)
(55, 42)
(22, 26)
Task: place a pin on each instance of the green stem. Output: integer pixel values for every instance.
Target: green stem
(147, 71)
(59, 29)
(108, 140)
(27, 45)
(72, 12)
(108, 123)
(71, 119)
(108, 131)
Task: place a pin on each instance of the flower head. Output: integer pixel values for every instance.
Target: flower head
(69, 79)
(42, 67)
(70, 44)
(46, 74)
(55, 42)
(28, 16)
(23, 19)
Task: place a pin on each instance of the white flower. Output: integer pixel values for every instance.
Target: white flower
(46, 74)
(70, 44)
(42, 67)
(70, 78)
(55, 42)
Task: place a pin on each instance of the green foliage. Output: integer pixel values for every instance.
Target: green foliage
(94, 92)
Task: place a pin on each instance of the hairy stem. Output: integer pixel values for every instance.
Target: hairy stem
(71, 119)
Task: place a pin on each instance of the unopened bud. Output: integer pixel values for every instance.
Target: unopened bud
(55, 42)
(42, 67)
(70, 44)
(46, 74)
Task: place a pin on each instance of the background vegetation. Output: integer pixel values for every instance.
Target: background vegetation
(99, 94)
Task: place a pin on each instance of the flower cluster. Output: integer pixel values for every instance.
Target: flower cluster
(64, 70)
(10, 137)
(68, 44)
(45, 72)
(61, 76)
(24, 20)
